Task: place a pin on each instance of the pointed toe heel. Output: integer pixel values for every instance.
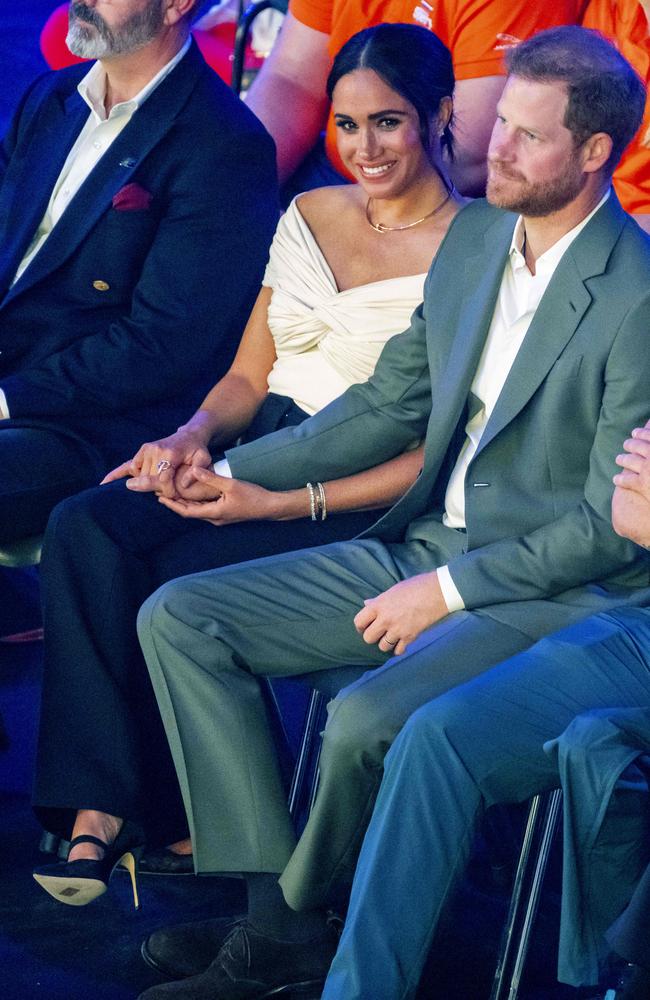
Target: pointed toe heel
(77, 883)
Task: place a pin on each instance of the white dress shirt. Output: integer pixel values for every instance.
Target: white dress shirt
(95, 138)
(519, 296)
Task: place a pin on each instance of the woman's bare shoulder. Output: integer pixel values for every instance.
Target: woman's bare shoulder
(318, 205)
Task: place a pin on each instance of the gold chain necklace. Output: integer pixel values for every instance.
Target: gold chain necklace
(379, 227)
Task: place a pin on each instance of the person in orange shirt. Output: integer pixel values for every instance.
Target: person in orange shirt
(293, 77)
(627, 24)
(288, 94)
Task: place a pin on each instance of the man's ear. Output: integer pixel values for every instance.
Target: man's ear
(596, 151)
(176, 10)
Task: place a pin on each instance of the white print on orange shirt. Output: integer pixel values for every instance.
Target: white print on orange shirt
(506, 41)
(421, 16)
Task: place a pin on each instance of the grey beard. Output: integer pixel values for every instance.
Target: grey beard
(100, 42)
(85, 43)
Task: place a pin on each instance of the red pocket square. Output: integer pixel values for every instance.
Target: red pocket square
(132, 198)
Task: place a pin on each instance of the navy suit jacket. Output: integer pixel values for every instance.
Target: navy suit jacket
(125, 318)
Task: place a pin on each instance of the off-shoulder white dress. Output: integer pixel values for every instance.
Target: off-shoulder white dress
(326, 339)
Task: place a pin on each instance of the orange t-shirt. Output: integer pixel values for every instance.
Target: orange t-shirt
(624, 23)
(475, 31)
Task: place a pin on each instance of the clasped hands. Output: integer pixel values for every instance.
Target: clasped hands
(631, 500)
(187, 485)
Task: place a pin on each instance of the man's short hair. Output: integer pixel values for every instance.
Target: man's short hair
(605, 93)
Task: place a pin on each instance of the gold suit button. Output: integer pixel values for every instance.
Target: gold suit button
(101, 286)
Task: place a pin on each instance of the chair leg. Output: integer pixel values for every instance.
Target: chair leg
(541, 824)
(301, 770)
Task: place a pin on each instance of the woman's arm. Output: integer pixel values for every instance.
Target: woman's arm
(225, 412)
(230, 406)
(213, 498)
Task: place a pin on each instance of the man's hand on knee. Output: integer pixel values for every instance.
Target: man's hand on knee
(395, 618)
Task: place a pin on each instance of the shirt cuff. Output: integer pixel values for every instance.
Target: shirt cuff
(222, 468)
(4, 406)
(450, 592)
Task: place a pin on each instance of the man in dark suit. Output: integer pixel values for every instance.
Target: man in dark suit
(523, 370)
(137, 203)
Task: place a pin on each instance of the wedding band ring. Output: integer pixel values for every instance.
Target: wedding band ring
(389, 643)
(163, 465)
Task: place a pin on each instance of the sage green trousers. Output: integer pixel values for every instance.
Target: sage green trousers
(208, 638)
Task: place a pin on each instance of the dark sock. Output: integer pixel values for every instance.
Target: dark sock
(269, 914)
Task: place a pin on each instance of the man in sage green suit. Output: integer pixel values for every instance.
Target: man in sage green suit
(536, 551)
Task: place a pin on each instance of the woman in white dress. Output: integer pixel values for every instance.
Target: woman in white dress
(346, 270)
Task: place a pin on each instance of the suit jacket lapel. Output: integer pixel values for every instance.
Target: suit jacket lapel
(25, 196)
(454, 351)
(558, 315)
(148, 126)
(451, 382)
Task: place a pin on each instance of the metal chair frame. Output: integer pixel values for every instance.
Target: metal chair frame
(243, 31)
(298, 800)
(541, 824)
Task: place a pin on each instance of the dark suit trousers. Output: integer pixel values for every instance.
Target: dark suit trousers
(40, 467)
(101, 743)
(477, 745)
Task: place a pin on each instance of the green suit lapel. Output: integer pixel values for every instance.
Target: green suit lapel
(454, 350)
(481, 272)
(558, 315)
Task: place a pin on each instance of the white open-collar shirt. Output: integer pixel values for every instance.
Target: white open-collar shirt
(519, 296)
(96, 137)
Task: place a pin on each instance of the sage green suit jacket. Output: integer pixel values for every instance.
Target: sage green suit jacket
(540, 550)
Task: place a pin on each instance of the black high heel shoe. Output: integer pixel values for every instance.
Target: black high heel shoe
(77, 883)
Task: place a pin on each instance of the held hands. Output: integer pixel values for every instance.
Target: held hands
(157, 465)
(396, 617)
(204, 495)
(631, 500)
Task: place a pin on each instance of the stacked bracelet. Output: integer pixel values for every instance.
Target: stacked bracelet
(323, 501)
(317, 501)
(312, 500)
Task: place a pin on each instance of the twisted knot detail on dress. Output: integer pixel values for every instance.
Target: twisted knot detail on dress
(328, 337)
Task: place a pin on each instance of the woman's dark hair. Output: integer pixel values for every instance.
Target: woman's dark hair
(412, 61)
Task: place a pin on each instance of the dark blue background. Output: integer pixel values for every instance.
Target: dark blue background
(20, 58)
